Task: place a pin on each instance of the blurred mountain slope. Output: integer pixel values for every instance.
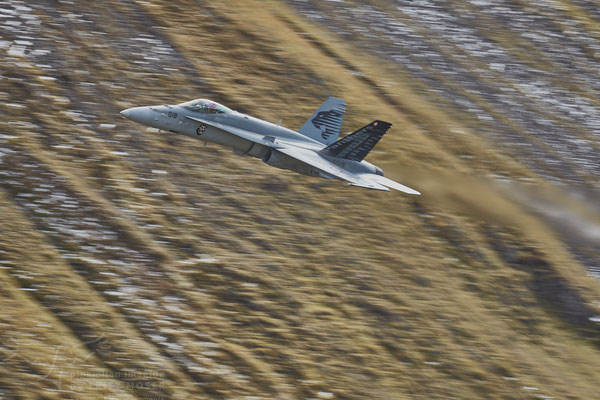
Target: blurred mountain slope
(146, 265)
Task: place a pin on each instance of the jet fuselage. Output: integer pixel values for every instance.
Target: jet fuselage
(179, 119)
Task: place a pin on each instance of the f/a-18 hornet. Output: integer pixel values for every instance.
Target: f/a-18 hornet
(313, 150)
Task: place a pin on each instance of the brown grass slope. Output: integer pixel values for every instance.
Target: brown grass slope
(142, 265)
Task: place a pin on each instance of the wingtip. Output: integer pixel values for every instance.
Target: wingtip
(384, 125)
(393, 184)
(408, 190)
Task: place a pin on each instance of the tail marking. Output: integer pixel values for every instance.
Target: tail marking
(358, 144)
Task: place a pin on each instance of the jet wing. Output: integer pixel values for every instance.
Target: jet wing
(251, 136)
(315, 160)
(369, 181)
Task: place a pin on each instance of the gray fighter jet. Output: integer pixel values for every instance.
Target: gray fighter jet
(313, 150)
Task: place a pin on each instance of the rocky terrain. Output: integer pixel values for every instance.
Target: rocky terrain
(142, 265)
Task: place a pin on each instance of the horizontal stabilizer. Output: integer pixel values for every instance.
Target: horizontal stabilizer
(358, 144)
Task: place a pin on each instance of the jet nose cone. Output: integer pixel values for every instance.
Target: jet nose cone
(137, 114)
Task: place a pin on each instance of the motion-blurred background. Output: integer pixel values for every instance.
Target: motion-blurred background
(142, 265)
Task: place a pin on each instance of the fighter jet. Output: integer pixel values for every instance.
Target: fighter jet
(313, 150)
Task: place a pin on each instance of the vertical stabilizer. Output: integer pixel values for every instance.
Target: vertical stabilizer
(326, 122)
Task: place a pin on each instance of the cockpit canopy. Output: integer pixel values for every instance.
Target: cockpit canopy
(205, 106)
